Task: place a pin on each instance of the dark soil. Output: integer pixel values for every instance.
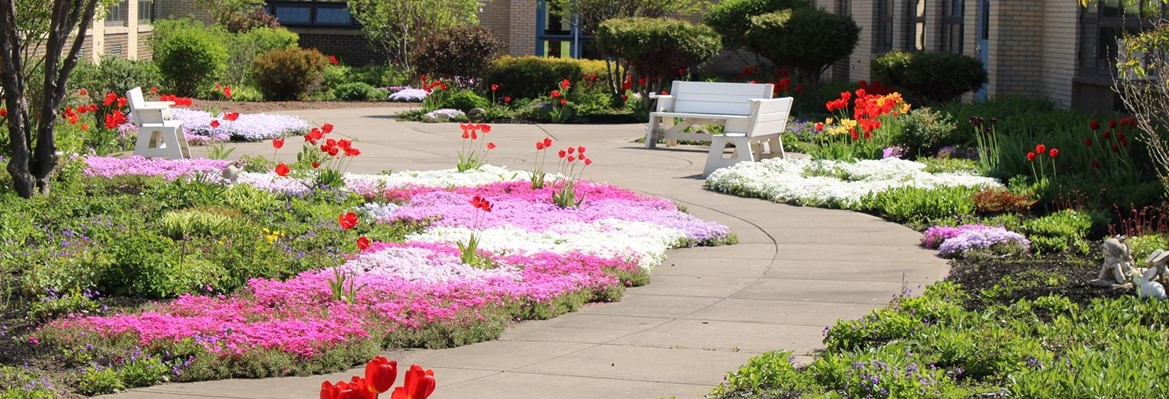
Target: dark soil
(1029, 278)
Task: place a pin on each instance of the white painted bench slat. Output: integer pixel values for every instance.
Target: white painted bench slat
(703, 103)
(766, 126)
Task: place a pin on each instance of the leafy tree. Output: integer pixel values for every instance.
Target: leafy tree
(398, 25)
(593, 12)
(57, 30)
(655, 49)
(730, 18)
(806, 39)
(226, 11)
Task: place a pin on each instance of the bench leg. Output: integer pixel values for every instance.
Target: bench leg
(776, 142)
(717, 159)
(162, 142)
(651, 140)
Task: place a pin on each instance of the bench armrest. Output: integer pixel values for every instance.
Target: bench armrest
(159, 103)
(665, 102)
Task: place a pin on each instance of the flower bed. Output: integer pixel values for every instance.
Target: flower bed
(201, 126)
(539, 260)
(832, 183)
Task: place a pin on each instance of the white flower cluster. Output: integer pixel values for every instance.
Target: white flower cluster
(832, 183)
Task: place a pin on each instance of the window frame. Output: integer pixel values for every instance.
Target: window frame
(313, 6)
(953, 20)
(882, 26)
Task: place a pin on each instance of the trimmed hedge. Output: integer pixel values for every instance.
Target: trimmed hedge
(807, 39)
(532, 76)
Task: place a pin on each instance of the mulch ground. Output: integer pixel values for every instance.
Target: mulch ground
(1030, 278)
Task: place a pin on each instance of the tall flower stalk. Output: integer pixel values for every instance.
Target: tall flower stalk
(571, 158)
(538, 174)
(469, 252)
(988, 145)
(474, 151)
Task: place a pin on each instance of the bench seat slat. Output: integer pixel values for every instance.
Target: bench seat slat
(697, 115)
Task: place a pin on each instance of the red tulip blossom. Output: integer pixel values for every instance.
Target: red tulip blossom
(1054, 152)
(419, 384)
(494, 87)
(282, 169)
(1094, 124)
(490, 146)
(327, 128)
(153, 90)
(380, 372)
(547, 142)
(563, 102)
(507, 99)
(555, 93)
(83, 92)
(214, 123)
(333, 60)
(482, 203)
(277, 143)
(1040, 148)
(1088, 141)
(347, 220)
(231, 116)
(1031, 156)
(564, 84)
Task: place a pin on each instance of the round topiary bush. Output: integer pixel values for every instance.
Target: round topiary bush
(728, 17)
(189, 59)
(462, 51)
(464, 100)
(289, 74)
(532, 76)
(356, 91)
(806, 39)
(930, 77)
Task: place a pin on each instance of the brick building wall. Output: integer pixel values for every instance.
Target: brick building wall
(496, 15)
(181, 9)
(349, 45)
(863, 13)
(1015, 47)
(1058, 55)
(522, 34)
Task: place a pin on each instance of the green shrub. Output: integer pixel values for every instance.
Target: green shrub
(20, 384)
(924, 130)
(116, 75)
(930, 77)
(246, 45)
(463, 100)
(531, 76)
(728, 17)
(461, 51)
(192, 223)
(771, 372)
(807, 39)
(288, 74)
(1061, 232)
(356, 91)
(657, 47)
(189, 59)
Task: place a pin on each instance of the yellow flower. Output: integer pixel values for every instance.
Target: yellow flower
(275, 235)
(848, 123)
(828, 121)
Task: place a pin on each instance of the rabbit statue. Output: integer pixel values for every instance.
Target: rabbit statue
(1149, 289)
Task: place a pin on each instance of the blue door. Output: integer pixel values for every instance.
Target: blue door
(983, 44)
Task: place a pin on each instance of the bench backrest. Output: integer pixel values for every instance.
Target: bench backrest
(717, 98)
(769, 116)
(142, 113)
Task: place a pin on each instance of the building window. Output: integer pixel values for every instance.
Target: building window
(145, 11)
(117, 15)
(883, 26)
(915, 25)
(559, 34)
(952, 26)
(1106, 21)
(844, 7)
(312, 13)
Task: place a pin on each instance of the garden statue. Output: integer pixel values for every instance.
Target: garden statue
(1158, 260)
(1146, 288)
(232, 171)
(1118, 263)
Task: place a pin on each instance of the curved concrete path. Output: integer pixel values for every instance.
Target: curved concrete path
(707, 310)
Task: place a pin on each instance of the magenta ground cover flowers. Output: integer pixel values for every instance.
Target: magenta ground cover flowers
(953, 241)
(404, 286)
(170, 169)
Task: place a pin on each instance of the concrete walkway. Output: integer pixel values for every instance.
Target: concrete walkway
(705, 313)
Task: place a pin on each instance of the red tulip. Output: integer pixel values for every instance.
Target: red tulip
(571, 159)
(227, 91)
(547, 142)
(1053, 153)
(282, 169)
(555, 93)
(1094, 124)
(588, 162)
(419, 384)
(485, 128)
(1112, 123)
(380, 372)
(563, 154)
(490, 146)
(539, 145)
(1030, 156)
(564, 84)
(571, 150)
(231, 116)
(347, 220)
(563, 101)
(3, 113)
(329, 391)
(507, 99)
(1108, 135)
(214, 123)
(819, 126)
(83, 92)
(362, 244)
(327, 128)
(1040, 148)
(494, 87)
(277, 143)
(1088, 141)
(581, 150)
(333, 60)
(316, 165)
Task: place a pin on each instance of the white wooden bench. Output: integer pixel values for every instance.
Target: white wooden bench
(159, 135)
(702, 103)
(766, 125)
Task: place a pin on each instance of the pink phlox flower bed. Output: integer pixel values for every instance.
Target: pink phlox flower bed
(408, 285)
(109, 167)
